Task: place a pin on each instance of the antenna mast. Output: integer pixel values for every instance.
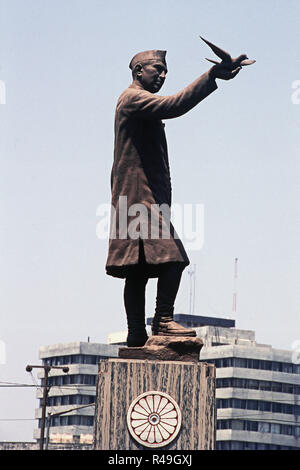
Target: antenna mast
(192, 274)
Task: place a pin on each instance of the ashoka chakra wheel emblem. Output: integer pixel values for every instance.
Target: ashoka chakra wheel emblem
(154, 419)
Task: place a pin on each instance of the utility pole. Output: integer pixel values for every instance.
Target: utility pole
(46, 389)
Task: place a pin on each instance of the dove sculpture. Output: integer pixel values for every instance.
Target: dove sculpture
(227, 60)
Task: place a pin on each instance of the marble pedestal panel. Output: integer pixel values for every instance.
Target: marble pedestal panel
(177, 398)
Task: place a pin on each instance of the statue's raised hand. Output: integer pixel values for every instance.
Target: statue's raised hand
(228, 68)
(219, 71)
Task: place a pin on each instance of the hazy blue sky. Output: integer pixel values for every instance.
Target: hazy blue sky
(64, 63)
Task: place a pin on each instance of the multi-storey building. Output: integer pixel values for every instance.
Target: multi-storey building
(257, 386)
(257, 391)
(75, 390)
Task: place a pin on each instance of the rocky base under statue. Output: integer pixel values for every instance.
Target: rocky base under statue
(165, 348)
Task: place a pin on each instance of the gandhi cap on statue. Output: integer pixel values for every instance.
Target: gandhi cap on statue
(148, 56)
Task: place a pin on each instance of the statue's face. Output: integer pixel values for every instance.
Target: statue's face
(152, 76)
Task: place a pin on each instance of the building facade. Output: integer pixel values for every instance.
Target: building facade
(257, 391)
(257, 387)
(72, 395)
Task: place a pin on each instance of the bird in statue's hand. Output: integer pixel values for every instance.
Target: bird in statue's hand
(228, 68)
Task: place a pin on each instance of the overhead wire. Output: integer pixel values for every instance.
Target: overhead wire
(88, 386)
(17, 419)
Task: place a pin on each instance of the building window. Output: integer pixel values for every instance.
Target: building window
(265, 406)
(252, 404)
(250, 363)
(258, 405)
(224, 445)
(237, 424)
(237, 445)
(239, 362)
(73, 359)
(236, 403)
(288, 388)
(78, 420)
(253, 384)
(242, 445)
(275, 428)
(73, 379)
(249, 446)
(278, 387)
(70, 400)
(263, 427)
(224, 424)
(266, 386)
(288, 368)
(258, 426)
(260, 446)
(296, 368)
(251, 426)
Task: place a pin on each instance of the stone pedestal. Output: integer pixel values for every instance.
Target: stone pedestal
(166, 348)
(149, 404)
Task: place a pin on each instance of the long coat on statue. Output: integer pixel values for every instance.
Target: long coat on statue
(141, 175)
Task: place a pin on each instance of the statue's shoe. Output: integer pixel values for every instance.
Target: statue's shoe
(171, 328)
(136, 340)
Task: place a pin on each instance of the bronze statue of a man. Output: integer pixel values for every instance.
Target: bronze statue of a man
(141, 175)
